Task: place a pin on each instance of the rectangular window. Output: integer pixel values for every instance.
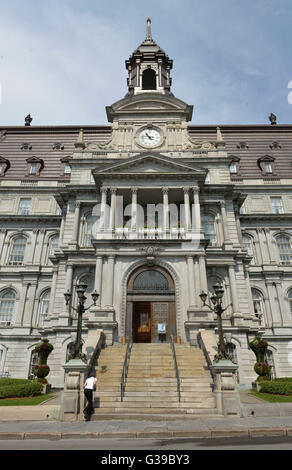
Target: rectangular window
(277, 205)
(233, 168)
(33, 169)
(24, 206)
(67, 169)
(268, 168)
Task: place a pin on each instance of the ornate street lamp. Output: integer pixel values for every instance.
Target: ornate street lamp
(80, 289)
(216, 300)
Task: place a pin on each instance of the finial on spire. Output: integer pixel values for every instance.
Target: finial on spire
(219, 140)
(148, 30)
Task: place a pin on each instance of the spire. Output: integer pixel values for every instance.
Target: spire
(148, 30)
(219, 140)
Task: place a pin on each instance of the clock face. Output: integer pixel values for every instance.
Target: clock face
(149, 137)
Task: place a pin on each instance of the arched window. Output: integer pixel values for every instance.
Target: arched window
(7, 306)
(44, 306)
(91, 228)
(208, 227)
(17, 250)
(290, 300)
(258, 304)
(284, 247)
(150, 280)
(54, 242)
(248, 246)
(149, 79)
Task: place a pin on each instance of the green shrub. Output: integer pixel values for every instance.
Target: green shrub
(27, 389)
(4, 382)
(283, 379)
(277, 387)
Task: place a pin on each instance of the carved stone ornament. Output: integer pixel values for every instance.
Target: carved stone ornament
(150, 250)
(73, 381)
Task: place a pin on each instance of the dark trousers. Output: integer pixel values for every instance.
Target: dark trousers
(88, 394)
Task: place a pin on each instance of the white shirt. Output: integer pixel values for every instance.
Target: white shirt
(89, 383)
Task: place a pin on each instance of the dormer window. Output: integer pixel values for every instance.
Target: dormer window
(65, 166)
(26, 146)
(234, 166)
(267, 165)
(4, 165)
(33, 169)
(34, 166)
(268, 168)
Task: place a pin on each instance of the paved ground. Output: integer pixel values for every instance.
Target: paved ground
(249, 427)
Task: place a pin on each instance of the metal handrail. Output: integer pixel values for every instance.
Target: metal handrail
(125, 368)
(175, 366)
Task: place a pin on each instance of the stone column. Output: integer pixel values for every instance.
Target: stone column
(29, 252)
(270, 246)
(29, 305)
(53, 291)
(103, 209)
(238, 226)
(286, 318)
(64, 317)
(227, 239)
(191, 281)
(134, 210)
(187, 208)
(21, 305)
(3, 245)
(113, 209)
(62, 227)
(234, 298)
(98, 278)
(196, 213)
(76, 224)
(276, 317)
(165, 210)
(203, 274)
(259, 256)
(110, 281)
(39, 247)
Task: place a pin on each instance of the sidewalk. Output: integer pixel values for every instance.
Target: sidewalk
(42, 422)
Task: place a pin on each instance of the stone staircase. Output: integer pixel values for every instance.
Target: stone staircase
(151, 387)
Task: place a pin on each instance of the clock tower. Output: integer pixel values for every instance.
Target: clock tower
(149, 116)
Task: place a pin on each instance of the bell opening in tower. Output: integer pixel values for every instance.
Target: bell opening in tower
(149, 80)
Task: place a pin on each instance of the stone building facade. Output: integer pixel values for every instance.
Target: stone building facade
(149, 211)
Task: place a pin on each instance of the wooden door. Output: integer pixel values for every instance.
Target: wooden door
(142, 322)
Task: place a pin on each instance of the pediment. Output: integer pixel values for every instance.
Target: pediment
(149, 102)
(149, 165)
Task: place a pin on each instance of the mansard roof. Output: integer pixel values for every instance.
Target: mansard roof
(41, 140)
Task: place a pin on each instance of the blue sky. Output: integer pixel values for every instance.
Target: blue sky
(64, 61)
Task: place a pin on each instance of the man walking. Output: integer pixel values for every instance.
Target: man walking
(89, 386)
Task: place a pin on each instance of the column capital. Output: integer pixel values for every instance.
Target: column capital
(195, 189)
(165, 190)
(186, 189)
(134, 189)
(113, 190)
(104, 189)
(222, 203)
(77, 204)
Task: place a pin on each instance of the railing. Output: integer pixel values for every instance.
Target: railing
(175, 367)
(99, 345)
(125, 368)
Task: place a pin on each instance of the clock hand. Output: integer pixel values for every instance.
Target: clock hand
(149, 136)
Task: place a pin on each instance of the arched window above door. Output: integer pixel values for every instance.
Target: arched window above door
(150, 280)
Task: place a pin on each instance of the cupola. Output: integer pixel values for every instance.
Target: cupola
(149, 67)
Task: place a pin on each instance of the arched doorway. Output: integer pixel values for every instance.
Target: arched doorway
(150, 306)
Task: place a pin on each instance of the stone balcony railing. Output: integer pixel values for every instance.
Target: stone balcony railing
(148, 234)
